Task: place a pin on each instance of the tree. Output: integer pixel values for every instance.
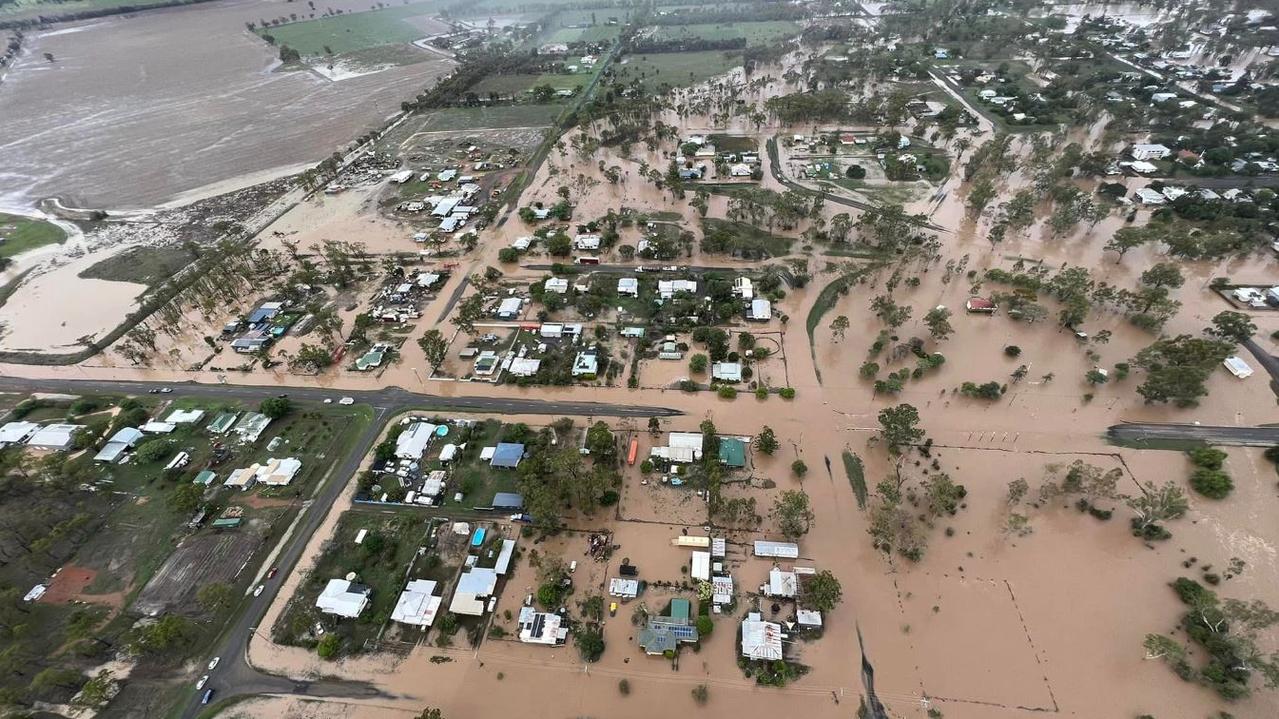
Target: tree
(275, 407)
(701, 694)
(214, 597)
(894, 528)
(1177, 368)
(1159, 646)
(1155, 505)
(1211, 483)
(799, 468)
(1233, 326)
(1126, 239)
(599, 440)
(889, 312)
(822, 591)
(943, 496)
(430, 713)
(435, 347)
(329, 646)
(469, 311)
(97, 691)
(1095, 377)
(938, 321)
(697, 363)
(590, 643)
(168, 633)
(766, 442)
(899, 426)
(153, 450)
(793, 513)
(314, 356)
(838, 326)
(1163, 274)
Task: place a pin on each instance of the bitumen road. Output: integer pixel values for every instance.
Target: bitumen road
(1135, 433)
(234, 676)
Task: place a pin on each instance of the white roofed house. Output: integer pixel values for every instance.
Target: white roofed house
(628, 286)
(473, 588)
(558, 285)
(1143, 151)
(16, 432)
(587, 242)
(122, 441)
(743, 287)
(727, 371)
(412, 442)
(760, 639)
(681, 447)
(667, 289)
(761, 310)
(343, 598)
(1147, 196)
(541, 627)
(418, 604)
(57, 437)
(510, 308)
(586, 365)
(781, 584)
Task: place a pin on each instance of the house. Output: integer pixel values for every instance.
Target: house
(1147, 196)
(681, 447)
(241, 479)
(507, 455)
(664, 634)
(667, 289)
(587, 242)
(418, 604)
(16, 432)
(412, 442)
(1141, 167)
(669, 350)
(727, 371)
(185, 416)
(761, 310)
(508, 500)
(623, 588)
(740, 169)
(776, 550)
(586, 364)
(732, 452)
(760, 639)
(446, 175)
(154, 427)
(743, 288)
(980, 305)
(343, 598)
(522, 243)
(445, 206)
(524, 367)
(558, 285)
(266, 311)
(1172, 192)
(1149, 152)
(700, 567)
(987, 94)
(628, 286)
(721, 590)
(450, 224)
(251, 342)
(541, 627)
(56, 437)
(510, 308)
(541, 213)
(278, 472)
(122, 441)
(781, 584)
(474, 587)
(402, 177)
(690, 173)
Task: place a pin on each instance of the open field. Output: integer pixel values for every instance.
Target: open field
(497, 117)
(23, 233)
(756, 33)
(677, 69)
(352, 31)
(172, 102)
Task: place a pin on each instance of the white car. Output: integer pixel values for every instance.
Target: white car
(347, 401)
(203, 680)
(258, 591)
(214, 663)
(328, 400)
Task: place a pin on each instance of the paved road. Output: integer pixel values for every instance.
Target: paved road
(233, 675)
(1218, 435)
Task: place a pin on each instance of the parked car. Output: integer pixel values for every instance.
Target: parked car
(203, 680)
(271, 573)
(213, 664)
(258, 592)
(208, 694)
(347, 401)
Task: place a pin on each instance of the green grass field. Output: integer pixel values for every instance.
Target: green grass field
(501, 116)
(24, 233)
(594, 33)
(756, 33)
(517, 84)
(23, 8)
(677, 69)
(353, 31)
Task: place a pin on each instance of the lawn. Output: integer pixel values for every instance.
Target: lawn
(500, 116)
(676, 69)
(594, 33)
(21, 234)
(740, 238)
(353, 31)
(141, 265)
(756, 33)
(517, 84)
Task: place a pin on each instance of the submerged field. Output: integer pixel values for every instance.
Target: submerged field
(677, 69)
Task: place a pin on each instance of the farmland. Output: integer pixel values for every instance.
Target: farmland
(676, 69)
(349, 32)
(756, 33)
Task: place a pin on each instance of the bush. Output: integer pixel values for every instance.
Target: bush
(787, 392)
(646, 466)
(508, 255)
(609, 498)
(275, 407)
(799, 468)
(1012, 351)
(329, 645)
(590, 643)
(761, 393)
(624, 687)
(1272, 454)
(1211, 483)
(727, 391)
(705, 626)
(701, 694)
(1207, 457)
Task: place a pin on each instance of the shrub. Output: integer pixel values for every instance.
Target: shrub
(868, 370)
(1012, 351)
(624, 687)
(609, 498)
(646, 467)
(697, 363)
(1211, 483)
(705, 626)
(761, 393)
(508, 255)
(1207, 457)
(1272, 454)
(799, 468)
(329, 645)
(787, 392)
(727, 391)
(701, 694)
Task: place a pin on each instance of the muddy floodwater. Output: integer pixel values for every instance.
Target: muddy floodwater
(136, 110)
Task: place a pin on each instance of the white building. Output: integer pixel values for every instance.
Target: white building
(343, 598)
(473, 589)
(776, 550)
(586, 364)
(743, 287)
(1147, 196)
(417, 604)
(524, 367)
(682, 447)
(412, 442)
(701, 566)
(666, 289)
(1149, 152)
(628, 286)
(57, 437)
(558, 285)
(510, 308)
(727, 371)
(587, 242)
(761, 310)
(623, 588)
(781, 584)
(541, 627)
(760, 639)
(16, 432)
(184, 416)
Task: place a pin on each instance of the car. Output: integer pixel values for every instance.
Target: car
(271, 574)
(347, 401)
(258, 592)
(213, 663)
(208, 694)
(283, 395)
(612, 609)
(153, 391)
(203, 680)
(328, 400)
(165, 390)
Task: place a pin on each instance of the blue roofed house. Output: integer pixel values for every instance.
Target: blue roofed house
(507, 455)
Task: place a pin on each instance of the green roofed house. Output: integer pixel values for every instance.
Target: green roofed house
(226, 523)
(205, 477)
(664, 634)
(222, 422)
(732, 452)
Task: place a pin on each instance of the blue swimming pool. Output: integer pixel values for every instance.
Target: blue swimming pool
(478, 538)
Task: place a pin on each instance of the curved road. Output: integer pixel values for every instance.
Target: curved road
(234, 676)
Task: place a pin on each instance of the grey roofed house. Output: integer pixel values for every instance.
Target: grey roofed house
(507, 455)
(54, 436)
(472, 588)
(778, 550)
(664, 634)
(251, 426)
(120, 442)
(508, 500)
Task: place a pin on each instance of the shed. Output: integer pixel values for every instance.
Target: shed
(776, 550)
(508, 500)
(507, 455)
(623, 588)
(732, 452)
(504, 557)
(448, 452)
(701, 566)
(1237, 367)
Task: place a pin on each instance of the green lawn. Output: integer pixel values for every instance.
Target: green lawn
(353, 31)
(519, 84)
(18, 8)
(756, 33)
(24, 233)
(594, 33)
(489, 118)
(677, 69)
